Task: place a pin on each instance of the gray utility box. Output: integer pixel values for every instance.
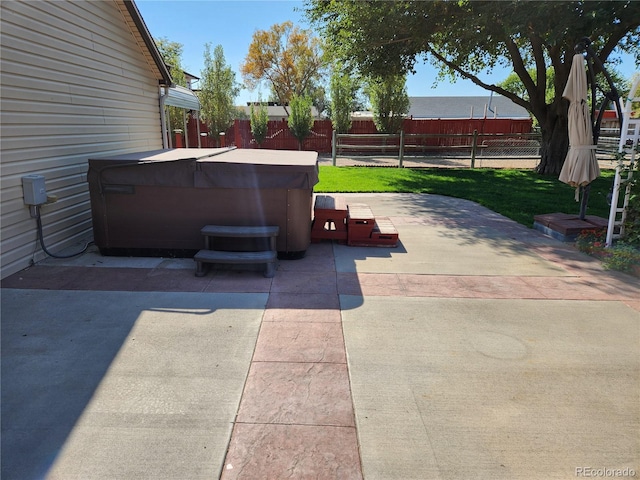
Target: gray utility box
(34, 190)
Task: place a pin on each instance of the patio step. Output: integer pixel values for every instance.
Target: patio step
(329, 219)
(383, 234)
(360, 223)
(209, 255)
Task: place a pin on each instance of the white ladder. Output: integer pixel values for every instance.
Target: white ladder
(629, 139)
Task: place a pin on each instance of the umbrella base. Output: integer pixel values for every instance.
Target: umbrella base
(566, 227)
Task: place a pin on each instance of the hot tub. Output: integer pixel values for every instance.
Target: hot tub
(159, 200)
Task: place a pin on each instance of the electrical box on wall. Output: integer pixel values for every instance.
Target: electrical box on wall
(34, 190)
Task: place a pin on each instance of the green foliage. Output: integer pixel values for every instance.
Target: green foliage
(344, 90)
(632, 221)
(592, 240)
(389, 102)
(300, 118)
(259, 118)
(622, 257)
(218, 92)
(514, 84)
(464, 39)
(632, 224)
(172, 55)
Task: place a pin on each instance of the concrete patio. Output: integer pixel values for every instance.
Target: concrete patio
(477, 348)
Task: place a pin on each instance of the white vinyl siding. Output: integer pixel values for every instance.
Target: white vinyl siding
(75, 84)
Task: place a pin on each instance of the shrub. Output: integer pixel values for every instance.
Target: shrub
(622, 257)
(592, 240)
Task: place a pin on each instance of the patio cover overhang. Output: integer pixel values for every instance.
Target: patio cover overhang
(180, 97)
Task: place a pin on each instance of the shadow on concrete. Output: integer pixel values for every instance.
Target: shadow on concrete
(57, 347)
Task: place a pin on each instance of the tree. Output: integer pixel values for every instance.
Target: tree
(172, 55)
(514, 85)
(218, 93)
(344, 90)
(259, 118)
(466, 38)
(300, 119)
(389, 102)
(288, 58)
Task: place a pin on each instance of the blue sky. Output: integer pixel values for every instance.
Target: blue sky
(232, 24)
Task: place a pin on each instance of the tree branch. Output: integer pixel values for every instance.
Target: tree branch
(519, 67)
(494, 88)
(541, 66)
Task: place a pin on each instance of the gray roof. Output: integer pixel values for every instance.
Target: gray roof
(496, 106)
(276, 111)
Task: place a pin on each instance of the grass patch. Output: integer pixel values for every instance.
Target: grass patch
(516, 194)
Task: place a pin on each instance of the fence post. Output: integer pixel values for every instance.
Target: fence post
(334, 137)
(236, 134)
(474, 147)
(401, 153)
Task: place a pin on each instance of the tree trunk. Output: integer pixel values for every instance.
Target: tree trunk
(554, 143)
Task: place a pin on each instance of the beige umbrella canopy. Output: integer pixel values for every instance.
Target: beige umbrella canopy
(580, 166)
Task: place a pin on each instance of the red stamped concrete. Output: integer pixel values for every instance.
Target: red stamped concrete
(292, 451)
(296, 417)
(300, 342)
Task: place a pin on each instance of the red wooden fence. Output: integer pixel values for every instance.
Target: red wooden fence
(279, 136)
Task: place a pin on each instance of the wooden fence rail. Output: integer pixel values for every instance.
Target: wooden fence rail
(517, 144)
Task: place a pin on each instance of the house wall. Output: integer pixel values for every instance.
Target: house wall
(75, 84)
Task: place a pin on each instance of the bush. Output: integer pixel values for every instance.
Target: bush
(300, 118)
(622, 257)
(632, 221)
(592, 240)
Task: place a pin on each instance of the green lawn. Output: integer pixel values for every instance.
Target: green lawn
(517, 194)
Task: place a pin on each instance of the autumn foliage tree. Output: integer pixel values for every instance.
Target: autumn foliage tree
(287, 58)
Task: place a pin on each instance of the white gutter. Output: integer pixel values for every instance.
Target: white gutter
(163, 117)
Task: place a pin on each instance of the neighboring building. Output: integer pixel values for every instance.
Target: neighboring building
(191, 80)
(79, 79)
(275, 111)
(490, 106)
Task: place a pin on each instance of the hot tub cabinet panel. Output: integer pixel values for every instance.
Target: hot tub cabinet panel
(161, 199)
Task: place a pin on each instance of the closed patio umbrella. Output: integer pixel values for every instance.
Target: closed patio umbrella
(580, 166)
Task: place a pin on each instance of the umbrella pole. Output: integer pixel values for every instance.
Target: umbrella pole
(584, 201)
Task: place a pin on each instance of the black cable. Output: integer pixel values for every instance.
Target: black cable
(41, 238)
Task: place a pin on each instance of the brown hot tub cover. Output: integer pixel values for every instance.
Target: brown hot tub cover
(161, 199)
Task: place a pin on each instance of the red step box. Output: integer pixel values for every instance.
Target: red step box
(384, 234)
(360, 222)
(329, 219)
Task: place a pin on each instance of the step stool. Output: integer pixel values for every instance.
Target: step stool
(209, 255)
(384, 234)
(329, 219)
(360, 222)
